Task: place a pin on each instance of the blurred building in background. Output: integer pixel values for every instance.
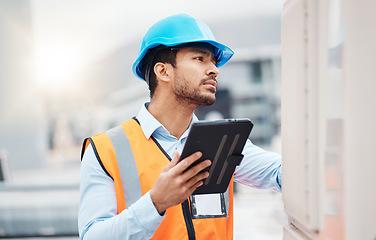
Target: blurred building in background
(23, 120)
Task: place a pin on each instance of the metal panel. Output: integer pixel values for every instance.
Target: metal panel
(293, 107)
(303, 99)
(360, 118)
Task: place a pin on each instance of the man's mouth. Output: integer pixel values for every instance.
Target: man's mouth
(212, 83)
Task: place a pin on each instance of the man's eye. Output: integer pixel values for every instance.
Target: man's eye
(199, 58)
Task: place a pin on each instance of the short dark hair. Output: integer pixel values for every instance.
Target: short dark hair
(161, 54)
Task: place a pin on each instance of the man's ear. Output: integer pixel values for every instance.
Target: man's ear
(161, 71)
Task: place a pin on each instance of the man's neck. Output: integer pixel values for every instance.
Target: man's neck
(174, 117)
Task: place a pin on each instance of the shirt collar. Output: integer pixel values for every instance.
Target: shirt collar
(149, 124)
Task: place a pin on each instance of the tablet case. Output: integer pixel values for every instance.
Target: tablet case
(221, 141)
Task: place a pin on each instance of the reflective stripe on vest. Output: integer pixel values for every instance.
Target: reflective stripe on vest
(129, 158)
(127, 168)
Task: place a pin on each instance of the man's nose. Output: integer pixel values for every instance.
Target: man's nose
(213, 70)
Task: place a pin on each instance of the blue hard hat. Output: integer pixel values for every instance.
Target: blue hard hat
(176, 30)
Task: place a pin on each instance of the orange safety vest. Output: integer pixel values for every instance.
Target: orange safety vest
(134, 163)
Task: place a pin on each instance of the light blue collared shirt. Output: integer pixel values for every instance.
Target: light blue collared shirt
(98, 218)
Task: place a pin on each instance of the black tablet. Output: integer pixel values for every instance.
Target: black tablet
(222, 142)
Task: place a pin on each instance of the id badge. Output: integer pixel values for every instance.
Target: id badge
(208, 205)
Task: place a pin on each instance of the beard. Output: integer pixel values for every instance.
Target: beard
(184, 92)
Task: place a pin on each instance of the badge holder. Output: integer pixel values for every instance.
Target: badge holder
(208, 205)
(214, 205)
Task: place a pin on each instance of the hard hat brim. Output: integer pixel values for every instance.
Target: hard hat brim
(225, 53)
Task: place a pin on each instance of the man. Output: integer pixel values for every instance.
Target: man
(132, 185)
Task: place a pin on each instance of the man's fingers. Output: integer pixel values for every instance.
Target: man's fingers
(197, 179)
(196, 185)
(176, 157)
(193, 171)
(186, 162)
(174, 161)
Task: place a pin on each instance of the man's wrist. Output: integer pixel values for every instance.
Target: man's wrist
(157, 206)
